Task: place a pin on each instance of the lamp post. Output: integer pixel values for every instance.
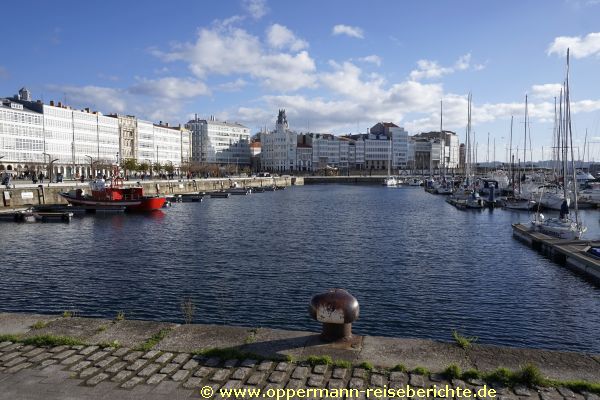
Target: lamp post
(91, 165)
(50, 168)
(149, 165)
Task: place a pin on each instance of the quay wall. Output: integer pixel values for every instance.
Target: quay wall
(382, 352)
(368, 180)
(28, 195)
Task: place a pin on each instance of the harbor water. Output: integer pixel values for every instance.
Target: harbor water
(418, 266)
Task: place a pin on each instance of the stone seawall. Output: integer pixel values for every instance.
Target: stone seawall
(368, 180)
(54, 358)
(24, 195)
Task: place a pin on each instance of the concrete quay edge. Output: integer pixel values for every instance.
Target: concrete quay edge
(382, 352)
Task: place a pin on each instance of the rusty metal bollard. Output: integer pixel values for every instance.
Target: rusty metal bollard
(336, 309)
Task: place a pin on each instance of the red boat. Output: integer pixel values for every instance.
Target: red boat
(116, 196)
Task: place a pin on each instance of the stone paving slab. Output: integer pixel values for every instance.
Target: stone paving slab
(81, 328)
(435, 356)
(277, 342)
(337, 351)
(129, 333)
(571, 366)
(187, 338)
(17, 324)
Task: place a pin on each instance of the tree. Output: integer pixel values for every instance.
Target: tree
(169, 168)
(143, 166)
(157, 167)
(129, 164)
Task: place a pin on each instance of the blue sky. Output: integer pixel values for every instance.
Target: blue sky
(335, 66)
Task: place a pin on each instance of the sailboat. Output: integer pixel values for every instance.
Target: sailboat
(467, 197)
(390, 181)
(516, 202)
(564, 227)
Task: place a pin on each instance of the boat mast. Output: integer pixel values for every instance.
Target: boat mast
(525, 138)
(512, 160)
(468, 143)
(570, 135)
(555, 151)
(563, 147)
(442, 141)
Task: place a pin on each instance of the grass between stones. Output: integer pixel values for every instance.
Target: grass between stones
(9, 338)
(528, 375)
(230, 353)
(154, 340)
(51, 340)
(39, 325)
(463, 342)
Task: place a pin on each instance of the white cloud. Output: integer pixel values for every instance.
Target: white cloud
(463, 62)
(232, 86)
(170, 87)
(374, 59)
(352, 31)
(235, 51)
(3, 73)
(101, 98)
(256, 8)
(581, 47)
(279, 37)
(427, 69)
(546, 91)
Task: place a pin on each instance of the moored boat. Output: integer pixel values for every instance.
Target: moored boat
(117, 196)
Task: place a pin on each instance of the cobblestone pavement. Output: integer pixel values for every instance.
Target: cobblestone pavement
(91, 372)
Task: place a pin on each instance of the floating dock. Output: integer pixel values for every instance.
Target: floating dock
(577, 255)
(219, 195)
(34, 216)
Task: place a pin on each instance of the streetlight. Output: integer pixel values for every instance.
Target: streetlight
(50, 167)
(91, 164)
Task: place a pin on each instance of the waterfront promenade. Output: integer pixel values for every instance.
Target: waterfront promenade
(126, 359)
(23, 193)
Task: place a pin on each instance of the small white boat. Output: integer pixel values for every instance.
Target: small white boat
(390, 181)
(519, 204)
(562, 228)
(415, 182)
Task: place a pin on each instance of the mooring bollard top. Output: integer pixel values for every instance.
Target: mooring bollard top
(336, 306)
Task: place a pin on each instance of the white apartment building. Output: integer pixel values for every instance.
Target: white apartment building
(219, 142)
(167, 141)
(325, 150)
(427, 149)
(34, 135)
(146, 151)
(21, 137)
(278, 148)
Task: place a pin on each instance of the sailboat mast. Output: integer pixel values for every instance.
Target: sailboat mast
(468, 150)
(570, 133)
(511, 167)
(555, 140)
(525, 137)
(582, 160)
(561, 135)
(442, 141)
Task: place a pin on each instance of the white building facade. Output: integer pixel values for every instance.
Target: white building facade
(278, 148)
(75, 143)
(219, 142)
(21, 137)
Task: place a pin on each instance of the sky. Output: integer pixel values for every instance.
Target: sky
(336, 66)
